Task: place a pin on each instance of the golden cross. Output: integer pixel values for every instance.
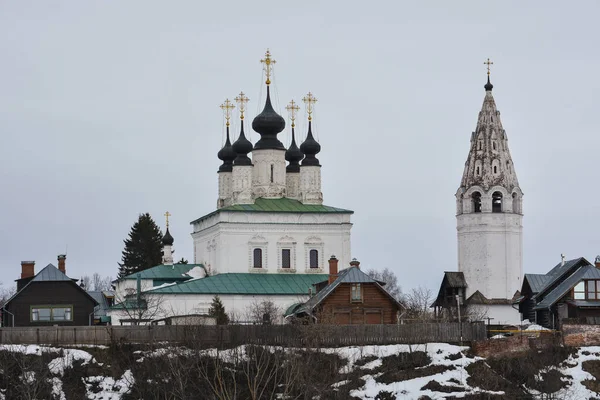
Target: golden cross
(488, 63)
(167, 214)
(227, 106)
(310, 101)
(268, 61)
(292, 110)
(242, 99)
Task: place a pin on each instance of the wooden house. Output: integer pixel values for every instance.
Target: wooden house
(48, 298)
(350, 297)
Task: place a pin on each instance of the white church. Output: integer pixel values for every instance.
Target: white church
(270, 236)
(489, 216)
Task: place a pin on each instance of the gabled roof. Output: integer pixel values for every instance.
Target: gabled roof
(585, 272)
(348, 275)
(283, 205)
(537, 281)
(246, 283)
(479, 298)
(451, 279)
(167, 272)
(558, 272)
(50, 274)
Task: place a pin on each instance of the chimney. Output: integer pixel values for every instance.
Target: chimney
(355, 263)
(333, 269)
(62, 259)
(597, 262)
(27, 269)
(562, 258)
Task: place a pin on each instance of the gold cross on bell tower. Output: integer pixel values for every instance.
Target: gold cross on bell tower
(167, 215)
(242, 100)
(310, 101)
(227, 106)
(488, 63)
(292, 109)
(268, 64)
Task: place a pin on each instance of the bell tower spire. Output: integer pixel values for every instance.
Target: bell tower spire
(489, 209)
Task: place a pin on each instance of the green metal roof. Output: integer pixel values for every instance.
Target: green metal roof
(283, 205)
(246, 283)
(171, 272)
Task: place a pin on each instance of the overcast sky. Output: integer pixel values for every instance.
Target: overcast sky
(109, 109)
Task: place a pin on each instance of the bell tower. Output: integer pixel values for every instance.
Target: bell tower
(489, 210)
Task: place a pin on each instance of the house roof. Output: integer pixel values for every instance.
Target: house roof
(585, 303)
(585, 272)
(246, 283)
(537, 281)
(98, 295)
(283, 205)
(479, 298)
(50, 274)
(558, 272)
(348, 275)
(170, 272)
(451, 279)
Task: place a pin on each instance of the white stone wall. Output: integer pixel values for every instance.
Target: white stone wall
(503, 314)
(122, 285)
(310, 184)
(225, 189)
(225, 241)
(167, 258)
(490, 253)
(241, 178)
(268, 175)
(292, 183)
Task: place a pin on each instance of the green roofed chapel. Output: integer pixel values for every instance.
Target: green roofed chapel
(270, 217)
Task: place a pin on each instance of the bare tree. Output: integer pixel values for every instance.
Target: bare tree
(264, 312)
(417, 303)
(100, 283)
(140, 310)
(391, 281)
(6, 293)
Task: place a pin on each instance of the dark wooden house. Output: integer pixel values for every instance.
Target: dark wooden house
(48, 298)
(453, 285)
(569, 290)
(350, 297)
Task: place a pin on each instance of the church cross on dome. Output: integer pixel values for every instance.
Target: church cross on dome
(488, 63)
(167, 215)
(310, 101)
(242, 100)
(268, 64)
(292, 109)
(227, 106)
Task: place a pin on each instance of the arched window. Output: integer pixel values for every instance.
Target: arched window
(515, 200)
(494, 144)
(257, 253)
(272, 172)
(476, 202)
(495, 169)
(497, 202)
(314, 258)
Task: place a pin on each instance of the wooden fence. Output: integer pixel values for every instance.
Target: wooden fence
(234, 335)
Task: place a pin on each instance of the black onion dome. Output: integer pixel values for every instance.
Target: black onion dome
(293, 155)
(488, 86)
(168, 240)
(310, 147)
(268, 124)
(227, 155)
(242, 147)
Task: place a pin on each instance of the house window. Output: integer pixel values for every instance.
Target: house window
(286, 257)
(257, 254)
(356, 294)
(593, 290)
(579, 291)
(51, 313)
(314, 258)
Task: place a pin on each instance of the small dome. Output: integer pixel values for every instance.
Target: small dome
(167, 239)
(488, 86)
(310, 147)
(242, 147)
(293, 155)
(268, 124)
(227, 155)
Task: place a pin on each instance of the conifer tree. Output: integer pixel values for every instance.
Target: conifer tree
(143, 247)
(217, 310)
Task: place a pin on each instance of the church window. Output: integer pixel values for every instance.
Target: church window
(286, 257)
(479, 144)
(497, 202)
(495, 169)
(579, 291)
(476, 202)
(257, 256)
(272, 169)
(494, 145)
(356, 293)
(314, 258)
(477, 170)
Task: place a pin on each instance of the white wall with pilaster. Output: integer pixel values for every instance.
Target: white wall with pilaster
(268, 175)
(242, 184)
(310, 184)
(225, 189)
(224, 242)
(292, 183)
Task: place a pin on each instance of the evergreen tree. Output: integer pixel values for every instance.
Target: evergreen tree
(217, 310)
(143, 247)
(182, 261)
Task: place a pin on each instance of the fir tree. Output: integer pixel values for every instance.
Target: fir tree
(143, 247)
(182, 261)
(217, 310)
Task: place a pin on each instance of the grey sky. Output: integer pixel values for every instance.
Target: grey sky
(110, 109)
